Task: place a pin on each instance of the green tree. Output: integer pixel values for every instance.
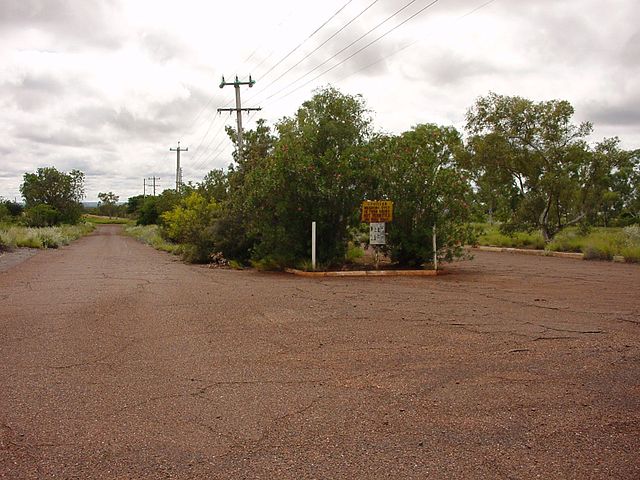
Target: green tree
(59, 190)
(419, 172)
(536, 148)
(108, 203)
(315, 173)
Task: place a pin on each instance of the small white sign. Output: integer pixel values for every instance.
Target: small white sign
(377, 234)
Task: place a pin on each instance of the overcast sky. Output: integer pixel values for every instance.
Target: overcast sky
(108, 86)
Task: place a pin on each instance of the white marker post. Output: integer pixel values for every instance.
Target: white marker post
(435, 248)
(313, 245)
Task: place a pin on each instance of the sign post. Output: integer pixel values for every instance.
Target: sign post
(377, 213)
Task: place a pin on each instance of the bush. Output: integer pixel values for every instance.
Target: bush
(41, 215)
(192, 225)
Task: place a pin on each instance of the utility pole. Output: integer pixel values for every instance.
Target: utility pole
(153, 179)
(144, 188)
(178, 169)
(238, 108)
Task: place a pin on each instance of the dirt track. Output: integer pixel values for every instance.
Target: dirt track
(118, 361)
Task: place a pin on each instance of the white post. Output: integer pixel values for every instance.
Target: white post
(313, 245)
(435, 248)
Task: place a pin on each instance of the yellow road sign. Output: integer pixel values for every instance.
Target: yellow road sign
(377, 211)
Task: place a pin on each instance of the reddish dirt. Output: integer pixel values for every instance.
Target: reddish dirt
(121, 362)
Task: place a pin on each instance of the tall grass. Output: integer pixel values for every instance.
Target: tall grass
(150, 234)
(101, 220)
(492, 236)
(12, 236)
(599, 244)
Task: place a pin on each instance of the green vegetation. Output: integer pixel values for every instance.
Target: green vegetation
(108, 204)
(533, 168)
(492, 236)
(101, 220)
(12, 236)
(525, 165)
(52, 197)
(191, 224)
(598, 243)
(150, 234)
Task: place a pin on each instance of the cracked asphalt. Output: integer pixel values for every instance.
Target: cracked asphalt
(120, 362)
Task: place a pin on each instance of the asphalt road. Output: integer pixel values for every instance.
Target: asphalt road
(118, 361)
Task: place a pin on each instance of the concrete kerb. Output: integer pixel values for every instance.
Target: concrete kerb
(367, 273)
(526, 251)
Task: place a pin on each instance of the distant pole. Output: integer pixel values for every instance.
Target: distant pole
(238, 108)
(313, 245)
(144, 188)
(153, 180)
(178, 169)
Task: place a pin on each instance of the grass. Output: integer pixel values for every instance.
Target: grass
(599, 244)
(150, 234)
(100, 220)
(12, 236)
(492, 237)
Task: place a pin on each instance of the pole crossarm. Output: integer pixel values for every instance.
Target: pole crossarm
(251, 109)
(236, 84)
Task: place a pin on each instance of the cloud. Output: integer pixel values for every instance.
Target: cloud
(73, 24)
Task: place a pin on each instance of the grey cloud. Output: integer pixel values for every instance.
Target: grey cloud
(450, 69)
(121, 120)
(66, 138)
(619, 113)
(33, 91)
(75, 23)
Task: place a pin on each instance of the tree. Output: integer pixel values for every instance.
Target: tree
(418, 171)
(59, 190)
(315, 173)
(190, 223)
(108, 203)
(536, 148)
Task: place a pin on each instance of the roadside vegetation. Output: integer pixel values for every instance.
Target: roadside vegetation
(13, 236)
(102, 220)
(523, 174)
(596, 243)
(150, 234)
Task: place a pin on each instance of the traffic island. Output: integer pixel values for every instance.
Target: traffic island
(367, 273)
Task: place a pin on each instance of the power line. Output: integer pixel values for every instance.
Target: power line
(352, 55)
(306, 39)
(408, 45)
(347, 47)
(320, 46)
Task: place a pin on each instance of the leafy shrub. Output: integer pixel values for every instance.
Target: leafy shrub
(192, 224)
(41, 215)
(631, 254)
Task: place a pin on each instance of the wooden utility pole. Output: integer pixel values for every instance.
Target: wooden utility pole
(153, 179)
(178, 169)
(238, 108)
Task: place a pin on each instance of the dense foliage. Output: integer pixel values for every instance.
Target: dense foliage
(525, 165)
(53, 196)
(535, 170)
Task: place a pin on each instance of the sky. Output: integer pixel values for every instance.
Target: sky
(109, 86)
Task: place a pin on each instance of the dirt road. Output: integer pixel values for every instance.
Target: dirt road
(118, 361)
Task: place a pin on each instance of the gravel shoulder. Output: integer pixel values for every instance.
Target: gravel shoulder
(9, 259)
(119, 361)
